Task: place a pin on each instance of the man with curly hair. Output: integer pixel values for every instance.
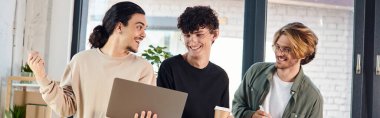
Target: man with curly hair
(281, 89)
(205, 82)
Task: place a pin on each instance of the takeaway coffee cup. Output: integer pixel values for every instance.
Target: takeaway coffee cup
(221, 112)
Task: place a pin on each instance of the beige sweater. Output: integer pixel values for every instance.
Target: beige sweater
(85, 88)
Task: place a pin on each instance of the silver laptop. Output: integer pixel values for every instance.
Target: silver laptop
(129, 97)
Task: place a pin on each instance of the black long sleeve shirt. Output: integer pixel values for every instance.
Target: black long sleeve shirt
(206, 88)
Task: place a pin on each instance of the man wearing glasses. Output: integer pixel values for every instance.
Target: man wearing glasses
(281, 89)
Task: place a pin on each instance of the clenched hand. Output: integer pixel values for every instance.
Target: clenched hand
(37, 64)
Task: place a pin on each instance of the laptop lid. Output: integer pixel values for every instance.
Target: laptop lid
(129, 97)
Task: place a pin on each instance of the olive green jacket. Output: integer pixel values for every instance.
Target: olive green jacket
(306, 100)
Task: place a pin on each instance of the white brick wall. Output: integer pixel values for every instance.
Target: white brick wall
(331, 70)
(233, 10)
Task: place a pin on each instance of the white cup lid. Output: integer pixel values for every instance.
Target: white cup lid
(222, 108)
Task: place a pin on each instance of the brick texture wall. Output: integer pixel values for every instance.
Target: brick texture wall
(230, 10)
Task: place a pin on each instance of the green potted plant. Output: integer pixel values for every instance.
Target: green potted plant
(16, 112)
(26, 71)
(155, 55)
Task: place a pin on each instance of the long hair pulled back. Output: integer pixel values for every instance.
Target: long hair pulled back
(120, 12)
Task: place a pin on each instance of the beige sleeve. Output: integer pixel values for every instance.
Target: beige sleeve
(147, 75)
(60, 98)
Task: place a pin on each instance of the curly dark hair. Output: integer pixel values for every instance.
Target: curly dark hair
(197, 17)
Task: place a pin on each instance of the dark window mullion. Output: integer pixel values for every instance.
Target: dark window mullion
(366, 89)
(254, 32)
(79, 26)
(376, 51)
(358, 109)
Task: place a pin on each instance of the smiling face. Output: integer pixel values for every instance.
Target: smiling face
(285, 57)
(132, 34)
(198, 43)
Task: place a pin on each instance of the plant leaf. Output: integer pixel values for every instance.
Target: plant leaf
(150, 51)
(151, 46)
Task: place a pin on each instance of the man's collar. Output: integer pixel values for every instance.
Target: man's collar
(297, 81)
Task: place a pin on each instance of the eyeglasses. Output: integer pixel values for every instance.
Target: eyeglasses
(283, 50)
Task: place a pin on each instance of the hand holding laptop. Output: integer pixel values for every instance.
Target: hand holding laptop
(148, 115)
(128, 98)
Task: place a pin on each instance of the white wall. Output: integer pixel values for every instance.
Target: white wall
(60, 37)
(6, 40)
(58, 52)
